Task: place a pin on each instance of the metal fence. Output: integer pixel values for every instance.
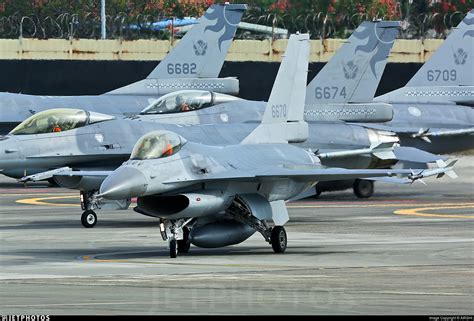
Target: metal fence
(319, 25)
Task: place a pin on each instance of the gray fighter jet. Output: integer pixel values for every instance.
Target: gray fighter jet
(89, 140)
(434, 111)
(194, 63)
(217, 196)
(342, 91)
(102, 137)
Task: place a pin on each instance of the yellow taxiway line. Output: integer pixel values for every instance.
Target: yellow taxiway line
(415, 209)
(41, 200)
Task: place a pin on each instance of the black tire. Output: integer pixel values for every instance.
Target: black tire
(89, 219)
(318, 192)
(173, 249)
(363, 188)
(52, 182)
(278, 238)
(184, 244)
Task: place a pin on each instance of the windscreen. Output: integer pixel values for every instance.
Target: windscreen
(179, 102)
(156, 145)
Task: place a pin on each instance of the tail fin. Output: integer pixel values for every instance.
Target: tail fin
(202, 51)
(453, 63)
(283, 117)
(354, 73)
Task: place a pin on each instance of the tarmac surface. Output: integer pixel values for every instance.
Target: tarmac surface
(407, 250)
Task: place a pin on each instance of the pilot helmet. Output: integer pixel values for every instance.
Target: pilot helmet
(180, 99)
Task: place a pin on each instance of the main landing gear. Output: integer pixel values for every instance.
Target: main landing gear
(363, 188)
(276, 236)
(278, 239)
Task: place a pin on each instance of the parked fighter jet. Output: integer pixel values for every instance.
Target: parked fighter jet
(194, 63)
(434, 110)
(25, 153)
(89, 140)
(342, 91)
(217, 196)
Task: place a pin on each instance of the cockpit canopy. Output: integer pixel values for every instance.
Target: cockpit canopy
(157, 144)
(58, 120)
(186, 100)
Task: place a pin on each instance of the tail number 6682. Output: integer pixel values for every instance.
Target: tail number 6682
(181, 69)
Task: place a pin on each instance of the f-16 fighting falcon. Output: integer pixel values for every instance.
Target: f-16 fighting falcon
(88, 139)
(342, 91)
(89, 142)
(83, 140)
(434, 111)
(214, 196)
(194, 63)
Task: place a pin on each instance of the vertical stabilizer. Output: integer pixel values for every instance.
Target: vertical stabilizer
(354, 72)
(282, 120)
(453, 63)
(202, 51)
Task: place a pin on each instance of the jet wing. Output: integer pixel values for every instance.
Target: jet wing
(84, 173)
(421, 133)
(398, 130)
(63, 172)
(321, 174)
(417, 131)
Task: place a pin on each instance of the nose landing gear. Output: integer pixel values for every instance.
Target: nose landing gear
(88, 219)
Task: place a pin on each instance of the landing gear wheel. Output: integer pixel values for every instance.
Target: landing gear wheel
(52, 182)
(278, 239)
(318, 192)
(363, 188)
(89, 219)
(184, 245)
(173, 249)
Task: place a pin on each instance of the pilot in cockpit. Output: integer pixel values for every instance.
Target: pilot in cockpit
(181, 103)
(53, 125)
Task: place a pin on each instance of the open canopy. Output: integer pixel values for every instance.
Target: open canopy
(157, 144)
(58, 120)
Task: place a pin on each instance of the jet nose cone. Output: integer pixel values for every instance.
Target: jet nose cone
(125, 182)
